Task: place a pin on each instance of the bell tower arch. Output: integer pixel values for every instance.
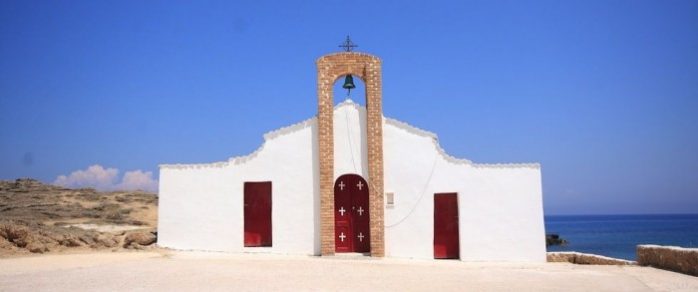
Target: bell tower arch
(330, 68)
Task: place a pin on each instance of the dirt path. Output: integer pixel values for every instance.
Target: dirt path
(166, 270)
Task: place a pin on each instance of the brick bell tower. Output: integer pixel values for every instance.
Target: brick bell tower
(330, 68)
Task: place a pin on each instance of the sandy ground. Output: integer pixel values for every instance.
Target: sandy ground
(168, 270)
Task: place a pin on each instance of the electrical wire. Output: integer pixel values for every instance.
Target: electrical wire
(424, 191)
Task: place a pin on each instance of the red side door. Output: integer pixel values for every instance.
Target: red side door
(446, 242)
(257, 213)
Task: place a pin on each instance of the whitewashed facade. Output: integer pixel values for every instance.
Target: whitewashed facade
(500, 206)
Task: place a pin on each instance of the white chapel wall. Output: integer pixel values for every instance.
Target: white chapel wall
(350, 147)
(201, 206)
(500, 206)
(195, 209)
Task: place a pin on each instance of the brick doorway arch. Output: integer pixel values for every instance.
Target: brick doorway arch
(330, 68)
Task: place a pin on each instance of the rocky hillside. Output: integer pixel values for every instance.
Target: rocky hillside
(38, 218)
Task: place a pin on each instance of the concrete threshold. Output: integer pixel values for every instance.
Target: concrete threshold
(350, 256)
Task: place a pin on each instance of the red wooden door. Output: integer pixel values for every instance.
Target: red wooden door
(351, 214)
(342, 217)
(446, 243)
(360, 214)
(257, 213)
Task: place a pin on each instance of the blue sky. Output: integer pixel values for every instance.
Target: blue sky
(604, 94)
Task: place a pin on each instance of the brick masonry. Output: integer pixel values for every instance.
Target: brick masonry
(330, 68)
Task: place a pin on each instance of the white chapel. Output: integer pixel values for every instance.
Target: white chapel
(350, 180)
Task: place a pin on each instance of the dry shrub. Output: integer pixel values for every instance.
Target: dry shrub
(19, 236)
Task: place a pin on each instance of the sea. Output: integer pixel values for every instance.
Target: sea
(618, 235)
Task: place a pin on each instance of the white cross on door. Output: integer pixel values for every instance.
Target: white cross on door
(341, 210)
(341, 185)
(360, 185)
(360, 210)
(361, 237)
(342, 236)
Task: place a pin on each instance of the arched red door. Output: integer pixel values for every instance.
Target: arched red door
(351, 224)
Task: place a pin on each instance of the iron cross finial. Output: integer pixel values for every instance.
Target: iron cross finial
(348, 45)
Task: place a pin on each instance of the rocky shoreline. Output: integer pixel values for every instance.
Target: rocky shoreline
(554, 239)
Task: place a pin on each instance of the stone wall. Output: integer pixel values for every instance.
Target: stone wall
(585, 259)
(672, 258)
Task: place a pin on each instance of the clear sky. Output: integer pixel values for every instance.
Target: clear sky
(604, 94)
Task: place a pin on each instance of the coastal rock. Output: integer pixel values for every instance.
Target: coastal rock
(52, 236)
(106, 240)
(21, 236)
(88, 239)
(37, 247)
(70, 240)
(140, 238)
(672, 258)
(554, 239)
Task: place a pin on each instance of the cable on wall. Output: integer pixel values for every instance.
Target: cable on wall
(424, 191)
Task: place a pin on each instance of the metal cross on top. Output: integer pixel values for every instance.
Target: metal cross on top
(348, 45)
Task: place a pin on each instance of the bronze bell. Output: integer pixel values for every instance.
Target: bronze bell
(349, 82)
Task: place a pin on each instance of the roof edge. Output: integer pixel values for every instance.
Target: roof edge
(435, 139)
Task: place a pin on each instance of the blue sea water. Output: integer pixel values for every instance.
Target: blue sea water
(618, 235)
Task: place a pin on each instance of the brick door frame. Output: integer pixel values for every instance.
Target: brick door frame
(330, 68)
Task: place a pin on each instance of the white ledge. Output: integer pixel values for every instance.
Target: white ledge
(217, 164)
(435, 139)
(271, 135)
(671, 247)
